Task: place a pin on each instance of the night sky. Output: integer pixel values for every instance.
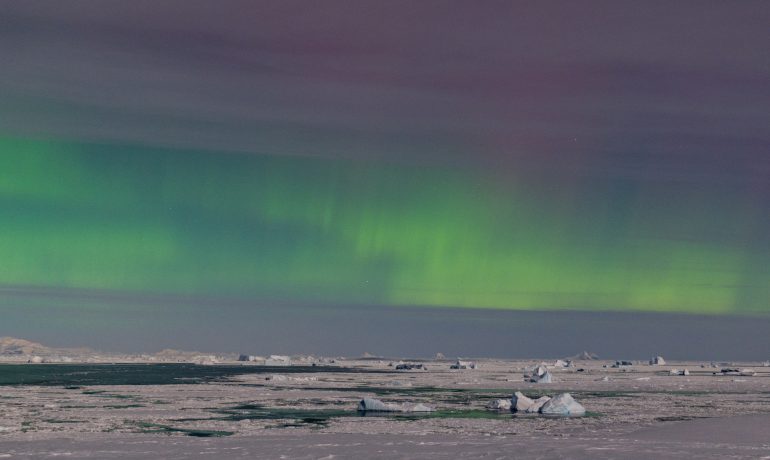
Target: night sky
(276, 160)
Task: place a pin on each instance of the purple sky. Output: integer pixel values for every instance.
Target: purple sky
(635, 88)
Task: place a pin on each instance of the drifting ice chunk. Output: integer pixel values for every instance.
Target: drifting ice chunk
(730, 371)
(537, 404)
(740, 372)
(250, 358)
(278, 360)
(520, 403)
(418, 408)
(500, 404)
(678, 372)
(463, 365)
(410, 366)
(375, 405)
(657, 361)
(540, 374)
(562, 404)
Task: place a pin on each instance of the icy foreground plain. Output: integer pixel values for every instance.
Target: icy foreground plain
(640, 411)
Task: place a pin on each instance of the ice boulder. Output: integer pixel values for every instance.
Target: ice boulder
(728, 371)
(562, 404)
(418, 408)
(540, 374)
(410, 366)
(537, 405)
(500, 405)
(278, 360)
(460, 364)
(678, 372)
(520, 403)
(375, 405)
(250, 358)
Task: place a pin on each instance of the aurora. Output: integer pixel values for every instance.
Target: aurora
(126, 217)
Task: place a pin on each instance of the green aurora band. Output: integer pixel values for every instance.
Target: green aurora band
(152, 220)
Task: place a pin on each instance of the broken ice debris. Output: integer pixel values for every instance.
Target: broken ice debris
(410, 366)
(740, 372)
(278, 360)
(460, 364)
(657, 361)
(375, 405)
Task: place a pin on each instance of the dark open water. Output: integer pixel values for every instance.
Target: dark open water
(139, 374)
